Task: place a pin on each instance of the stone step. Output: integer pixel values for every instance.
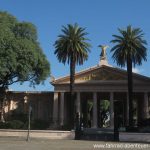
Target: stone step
(48, 134)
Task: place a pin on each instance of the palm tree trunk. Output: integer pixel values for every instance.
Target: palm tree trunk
(72, 79)
(130, 90)
(72, 74)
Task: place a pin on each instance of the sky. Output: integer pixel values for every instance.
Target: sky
(101, 18)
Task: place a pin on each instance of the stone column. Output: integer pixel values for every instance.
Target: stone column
(145, 106)
(111, 110)
(55, 109)
(62, 108)
(78, 103)
(94, 110)
(127, 110)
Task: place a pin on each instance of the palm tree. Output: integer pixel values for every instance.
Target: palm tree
(129, 50)
(71, 47)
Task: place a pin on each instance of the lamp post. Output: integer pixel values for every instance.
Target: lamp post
(26, 100)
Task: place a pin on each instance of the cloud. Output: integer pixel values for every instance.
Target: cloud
(10, 89)
(135, 70)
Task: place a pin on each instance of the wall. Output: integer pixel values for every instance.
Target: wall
(18, 103)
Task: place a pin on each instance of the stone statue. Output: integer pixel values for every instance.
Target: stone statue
(103, 56)
(103, 53)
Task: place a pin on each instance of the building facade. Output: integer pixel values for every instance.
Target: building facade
(99, 92)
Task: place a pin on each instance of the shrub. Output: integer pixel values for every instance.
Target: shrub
(4, 125)
(132, 129)
(144, 123)
(16, 124)
(19, 116)
(144, 129)
(65, 127)
(39, 124)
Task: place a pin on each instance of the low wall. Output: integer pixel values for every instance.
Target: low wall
(134, 137)
(54, 134)
(48, 134)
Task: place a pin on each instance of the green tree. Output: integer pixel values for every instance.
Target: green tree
(21, 57)
(129, 50)
(72, 47)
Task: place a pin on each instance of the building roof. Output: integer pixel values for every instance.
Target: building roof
(100, 73)
(103, 72)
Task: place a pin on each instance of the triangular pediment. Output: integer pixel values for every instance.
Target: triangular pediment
(101, 73)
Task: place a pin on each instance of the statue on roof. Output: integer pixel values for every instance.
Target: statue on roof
(103, 53)
(103, 57)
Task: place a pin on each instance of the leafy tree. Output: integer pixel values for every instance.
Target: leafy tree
(129, 50)
(21, 57)
(72, 47)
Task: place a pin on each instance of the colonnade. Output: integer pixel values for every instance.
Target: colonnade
(58, 118)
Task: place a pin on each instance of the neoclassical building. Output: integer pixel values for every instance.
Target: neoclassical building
(100, 90)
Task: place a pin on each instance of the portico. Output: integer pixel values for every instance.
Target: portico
(99, 91)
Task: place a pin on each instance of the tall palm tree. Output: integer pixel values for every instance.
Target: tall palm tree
(129, 50)
(72, 47)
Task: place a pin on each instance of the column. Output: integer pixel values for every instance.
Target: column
(145, 106)
(62, 108)
(94, 110)
(111, 110)
(55, 108)
(78, 103)
(127, 110)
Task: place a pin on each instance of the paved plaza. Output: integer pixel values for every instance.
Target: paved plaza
(44, 144)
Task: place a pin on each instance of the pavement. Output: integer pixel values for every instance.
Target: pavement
(16, 143)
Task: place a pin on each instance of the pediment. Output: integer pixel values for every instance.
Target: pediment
(101, 73)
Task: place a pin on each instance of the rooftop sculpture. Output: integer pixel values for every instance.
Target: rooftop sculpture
(103, 55)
